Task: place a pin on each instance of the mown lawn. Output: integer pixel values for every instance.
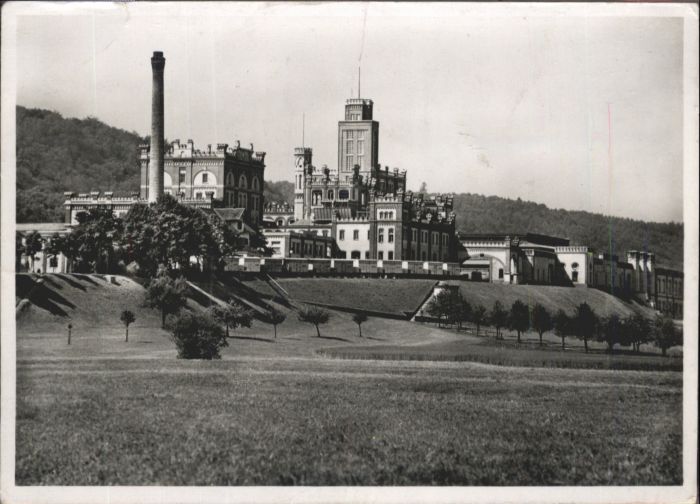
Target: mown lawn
(503, 353)
(379, 295)
(550, 296)
(332, 422)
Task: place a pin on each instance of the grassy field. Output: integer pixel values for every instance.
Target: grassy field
(321, 422)
(507, 354)
(278, 412)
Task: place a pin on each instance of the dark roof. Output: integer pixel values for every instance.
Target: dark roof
(230, 214)
(538, 239)
(326, 214)
(661, 270)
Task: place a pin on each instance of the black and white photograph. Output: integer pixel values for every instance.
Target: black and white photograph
(349, 252)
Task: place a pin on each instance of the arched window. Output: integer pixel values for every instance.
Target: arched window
(330, 194)
(167, 180)
(204, 177)
(230, 179)
(256, 184)
(243, 182)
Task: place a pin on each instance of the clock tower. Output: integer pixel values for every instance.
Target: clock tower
(302, 161)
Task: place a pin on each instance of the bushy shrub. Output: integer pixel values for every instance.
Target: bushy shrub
(196, 336)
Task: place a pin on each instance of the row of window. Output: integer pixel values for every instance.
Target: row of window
(435, 236)
(309, 248)
(669, 285)
(390, 235)
(355, 234)
(208, 178)
(242, 200)
(242, 182)
(388, 215)
(317, 196)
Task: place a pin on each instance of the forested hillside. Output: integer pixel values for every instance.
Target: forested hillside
(485, 214)
(55, 154)
(279, 191)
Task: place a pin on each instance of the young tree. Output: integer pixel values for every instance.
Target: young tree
(232, 315)
(315, 316)
(498, 317)
(360, 318)
(276, 317)
(166, 294)
(519, 317)
(562, 326)
(584, 323)
(33, 243)
(611, 331)
(478, 317)
(637, 330)
(127, 317)
(463, 310)
(541, 320)
(197, 336)
(665, 333)
(439, 307)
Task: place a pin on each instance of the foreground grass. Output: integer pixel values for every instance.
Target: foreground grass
(507, 354)
(329, 422)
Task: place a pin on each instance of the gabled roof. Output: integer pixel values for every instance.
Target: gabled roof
(230, 214)
(326, 213)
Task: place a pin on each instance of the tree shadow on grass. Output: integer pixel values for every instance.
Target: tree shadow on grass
(375, 339)
(71, 282)
(251, 338)
(85, 278)
(53, 283)
(49, 300)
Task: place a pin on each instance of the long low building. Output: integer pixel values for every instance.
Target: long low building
(529, 258)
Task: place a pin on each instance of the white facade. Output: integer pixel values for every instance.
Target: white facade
(576, 263)
(352, 237)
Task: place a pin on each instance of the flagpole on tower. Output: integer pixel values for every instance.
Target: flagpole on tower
(359, 83)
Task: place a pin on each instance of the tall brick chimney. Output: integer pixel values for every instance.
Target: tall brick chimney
(156, 163)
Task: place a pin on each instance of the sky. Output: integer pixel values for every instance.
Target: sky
(578, 112)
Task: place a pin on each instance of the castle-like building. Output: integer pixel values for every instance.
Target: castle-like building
(357, 211)
(219, 177)
(365, 208)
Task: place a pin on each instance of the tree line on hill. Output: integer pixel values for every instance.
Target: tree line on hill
(56, 154)
(450, 307)
(164, 233)
(202, 335)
